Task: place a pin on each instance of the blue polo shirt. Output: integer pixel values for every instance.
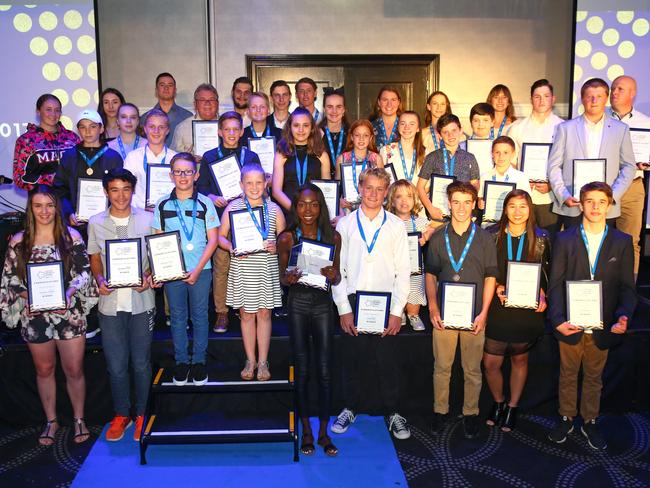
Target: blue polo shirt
(165, 219)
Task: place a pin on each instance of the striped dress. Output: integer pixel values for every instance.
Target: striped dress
(417, 295)
(254, 280)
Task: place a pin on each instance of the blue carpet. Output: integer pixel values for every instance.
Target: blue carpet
(366, 458)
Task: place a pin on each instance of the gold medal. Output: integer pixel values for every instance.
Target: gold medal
(89, 171)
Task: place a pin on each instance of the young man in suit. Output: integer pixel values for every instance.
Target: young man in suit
(593, 250)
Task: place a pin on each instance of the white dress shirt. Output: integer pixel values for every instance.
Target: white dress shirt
(387, 269)
(512, 175)
(134, 162)
(635, 120)
(593, 136)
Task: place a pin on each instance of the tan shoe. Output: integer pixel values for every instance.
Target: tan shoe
(263, 373)
(221, 325)
(248, 373)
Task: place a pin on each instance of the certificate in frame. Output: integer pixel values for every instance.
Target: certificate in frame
(372, 309)
(205, 136)
(159, 183)
(249, 240)
(587, 170)
(482, 151)
(494, 194)
(264, 147)
(534, 160)
(438, 192)
(415, 252)
(519, 285)
(226, 174)
(457, 305)
(312, 249)
(640, 144)
(349, 191)
(584, 301)
(126, 250)
(91, 198)
(332, 193)
(166, 257)
(45, 281)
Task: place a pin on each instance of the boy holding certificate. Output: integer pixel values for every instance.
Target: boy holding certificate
(195, 218)
(590, 253)
(126, 309)
(374, 261)
(461, 257)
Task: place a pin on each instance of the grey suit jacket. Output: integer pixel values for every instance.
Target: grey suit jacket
(569, 143)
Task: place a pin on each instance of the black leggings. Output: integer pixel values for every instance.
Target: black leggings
(310, 313)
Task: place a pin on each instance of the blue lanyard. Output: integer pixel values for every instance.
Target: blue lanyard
(449, 165)
(121, 144)
(339, 145)
(503, 124)
(241, 153)
(265, 211)
(600, 246)
(94, 159)
(435, 139)
(414, 162)
(415, 229)
(458, 264)
(144, 161)
(494, 177)
(520, 247)
(179, 213)
(301, 174)
(354, 169)
(363, 235)
(299, 234)
(382, 129)
(316, 115)
(267, 131)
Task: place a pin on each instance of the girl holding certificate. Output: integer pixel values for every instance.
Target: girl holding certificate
(513, 330)
(310, 310)
(504, 111)
(334, 126)
(128, 121)
(253, 279)
(46, 238)
(403, 201)
(384, 120)
(437, 105)
(110, 102)
(300, 158)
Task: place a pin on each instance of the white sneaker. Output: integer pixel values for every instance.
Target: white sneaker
(403, 319)
(416, 323)
(343, 421)
(92, 333)
(399, 427)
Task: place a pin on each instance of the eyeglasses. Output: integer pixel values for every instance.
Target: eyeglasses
(183, 172)
(206, 100)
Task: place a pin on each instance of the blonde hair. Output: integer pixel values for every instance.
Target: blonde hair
(392, 191)
(376, 172)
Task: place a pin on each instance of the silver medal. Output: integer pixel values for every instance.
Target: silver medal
(456, 277)
(189, 247)
(89, 171)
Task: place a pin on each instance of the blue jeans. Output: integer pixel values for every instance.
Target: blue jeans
(128, 337)
(177, 293)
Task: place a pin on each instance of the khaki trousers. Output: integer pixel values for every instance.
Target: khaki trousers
(220, 268)
(632, 215)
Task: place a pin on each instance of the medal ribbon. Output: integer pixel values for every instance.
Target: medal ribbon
(520, 247)
(144, 161)
(363, 235)
(354, 169)
(121, 144)
(436, 144)
(301, 174)
(600, 246)
(414, 162)
(382, 128)
(179, 213)
(449, 165)
(457, 265)
(299, 234)
(92, 160)
(503, 124)
(267, 131)
(265, 211)
(339, 145)
(241, 153)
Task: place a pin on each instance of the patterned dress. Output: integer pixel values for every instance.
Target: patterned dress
(254, 280)
(45, 326)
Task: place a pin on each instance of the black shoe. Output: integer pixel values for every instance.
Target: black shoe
(593, 435)
(509, 419)
(181, 373)
(561, 430)
(496, 413)
(439, 422)
(471, 426)
(280, 312)
(199, 374)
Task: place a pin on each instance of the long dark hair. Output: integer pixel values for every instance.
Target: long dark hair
(510, 110)
(324, 225)
(345, 123)
(376, 111)
(531, 223)
(427, 112)
(62, 237)
(287, 146)
(417, 142)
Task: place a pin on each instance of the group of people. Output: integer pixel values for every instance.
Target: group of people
(392, 158)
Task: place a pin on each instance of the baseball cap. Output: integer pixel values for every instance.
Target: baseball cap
(91, 115)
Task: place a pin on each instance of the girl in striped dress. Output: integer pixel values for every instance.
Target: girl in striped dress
(403, 201)
(253, 279)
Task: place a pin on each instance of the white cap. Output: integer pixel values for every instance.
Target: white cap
(91, 115)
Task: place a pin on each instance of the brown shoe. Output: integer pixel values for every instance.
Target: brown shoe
(221, 325)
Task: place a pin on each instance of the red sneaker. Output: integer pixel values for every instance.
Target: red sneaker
(138, 427)
(118, 425)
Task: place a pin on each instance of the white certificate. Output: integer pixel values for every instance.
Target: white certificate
(264, 147)
(205, 136)
(165, 256)
(91, 198)
(585, 171)
(534, 160)
(331, 192)
(159, 183)
(227, 176)
(438, 192)
(123, 263)
(641, 144)
(482, 151)
(246, 238)
(312, 257)
(458, 305)
(372, 310)
(350, 192)
(522, 285)
(415, 252)
(45, 286)
(584, 304)
(494, 194)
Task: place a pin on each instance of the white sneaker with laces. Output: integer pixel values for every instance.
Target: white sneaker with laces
(416, 323)
(343, 421)
(399, 427)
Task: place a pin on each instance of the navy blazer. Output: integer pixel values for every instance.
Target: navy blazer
(615, 269)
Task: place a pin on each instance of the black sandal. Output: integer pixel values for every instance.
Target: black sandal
(328, 448)
(307, 448)
(496, 413)
(80, 430)
(46, 435)
(509, 419)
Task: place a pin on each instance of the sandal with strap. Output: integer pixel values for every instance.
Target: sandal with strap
(248, 373)
(509, 419)
(328, 448)
(496, 413)
(307, 445)
(263, 373)
(47, 438)
(81, 432)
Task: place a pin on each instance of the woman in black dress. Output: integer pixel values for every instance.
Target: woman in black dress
(334, 126)
(513, 331)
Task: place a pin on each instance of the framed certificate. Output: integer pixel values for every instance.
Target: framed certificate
(45, 287)
(584, 302)
(494, 194)
(371, 312)
(415, 252)
(166, 257)
(391, 172)
(226, 174)
(522, 285)
(205, 136)
(438, 192)
(585, 171)
(310, 257)
(534, 160)
(264, 147)
(331, 192)
(91, 198)
(123, 263)
(458, 301)
(246, 239)
(159, 183)
(347, 182)
(640, 144)
(482, 151)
